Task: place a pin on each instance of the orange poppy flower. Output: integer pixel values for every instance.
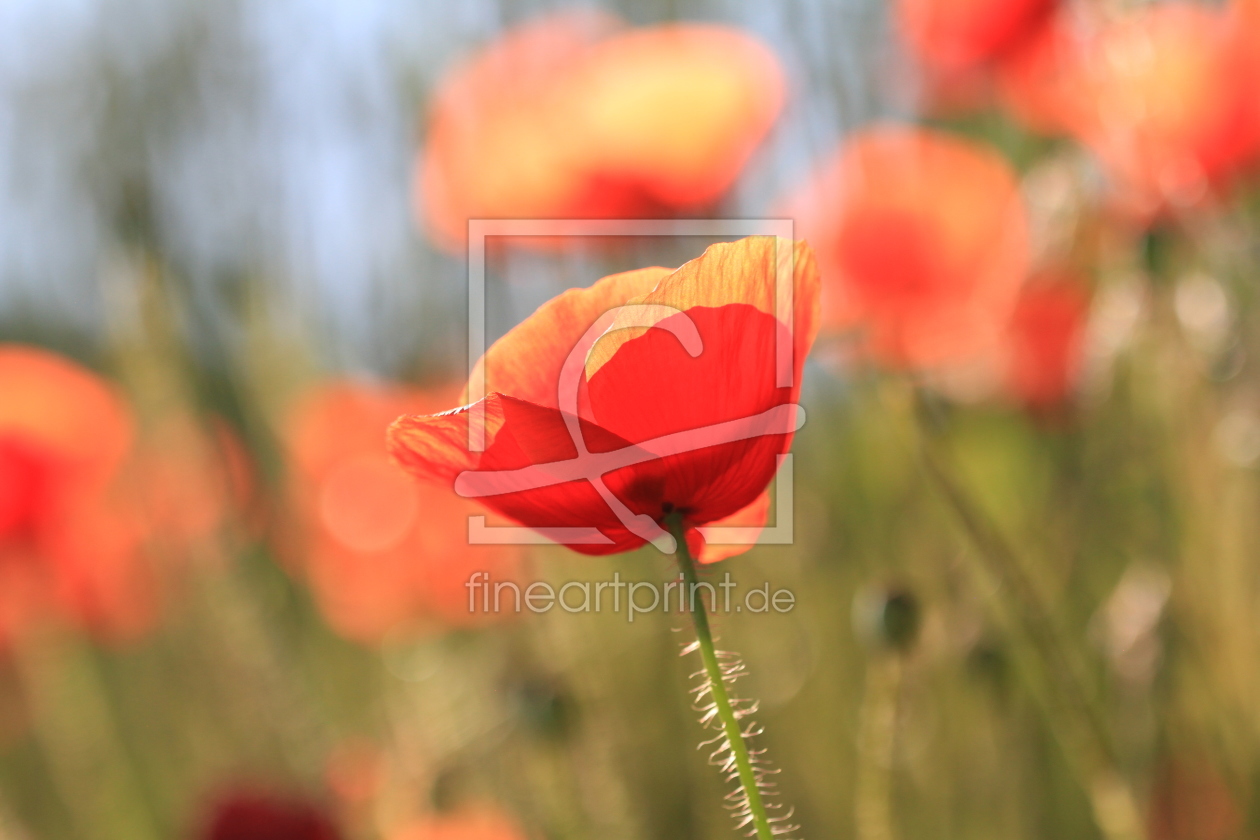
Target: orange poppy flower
(650, 392)
(382, 553)
(67, 543)
(922, 241)
(1174, 107)
(472, 825)
(1045, 338)
(958, 35)
(572, 117)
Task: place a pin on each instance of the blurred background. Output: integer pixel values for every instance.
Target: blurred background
(232, 252)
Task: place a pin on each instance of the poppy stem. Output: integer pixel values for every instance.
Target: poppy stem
(717, 680)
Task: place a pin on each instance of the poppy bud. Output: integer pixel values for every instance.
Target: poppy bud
(887, 617)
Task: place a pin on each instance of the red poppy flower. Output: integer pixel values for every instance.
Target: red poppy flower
(66, 544)
(922, 241)
(680, 405)
(473, 825)
(572, 117)
(381, 551)
(1038, 83)
(250, 815)
(1045, 338)
(86, 507)
(957, 35)
(1174, 108)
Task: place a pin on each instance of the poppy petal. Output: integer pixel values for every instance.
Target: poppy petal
(527, 360)
(717, 418)
(744, 272)
(752, 516)
(644, 385)
(530, 470)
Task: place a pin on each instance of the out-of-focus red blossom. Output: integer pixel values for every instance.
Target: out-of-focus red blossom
(85, 506)
(1245, 24)
(382, 552)
(1173, 101)
(636, 387)
(473, 825)
(922, 241)
(67, 545)
(1038, 83)
(952, 36)
(1191, 801)
(190, 478)
(353, 771)
(572, 116)
(1045, 340)
(252, 815)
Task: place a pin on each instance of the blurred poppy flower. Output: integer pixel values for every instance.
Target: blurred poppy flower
(471, 825)
(669, 381)
(1174, 105)
(382, 552)
(922, 241)
(959, 35)
(1244, 26)
(68, 544)
(573, 117)
(1037, 84)
(252, 815)
(1045, 340)
(1191, 801)
(189, 477)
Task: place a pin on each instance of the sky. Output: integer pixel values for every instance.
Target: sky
(275, 139)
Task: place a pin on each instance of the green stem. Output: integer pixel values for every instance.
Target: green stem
(1074, 718)
(717, 685)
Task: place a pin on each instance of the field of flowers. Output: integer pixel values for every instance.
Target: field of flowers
(535, 421)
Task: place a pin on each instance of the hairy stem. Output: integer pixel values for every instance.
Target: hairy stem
(717, 686)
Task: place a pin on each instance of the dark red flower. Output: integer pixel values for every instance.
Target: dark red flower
(682, 403)
(259, 816)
